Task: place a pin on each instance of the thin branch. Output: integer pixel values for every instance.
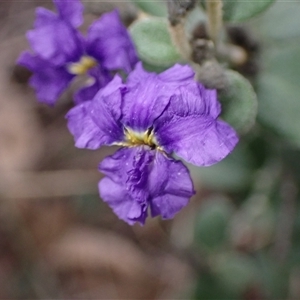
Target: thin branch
(215, 19)
(178, 10)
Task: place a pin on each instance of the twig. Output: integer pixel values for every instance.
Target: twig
(178, 10)
(215, 19)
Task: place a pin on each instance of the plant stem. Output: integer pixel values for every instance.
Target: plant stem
(178, 10)
(215, 19)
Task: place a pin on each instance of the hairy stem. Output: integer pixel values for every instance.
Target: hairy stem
(178, 9)
(215, 19)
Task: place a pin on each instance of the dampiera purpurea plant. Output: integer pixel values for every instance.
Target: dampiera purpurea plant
(151, 117)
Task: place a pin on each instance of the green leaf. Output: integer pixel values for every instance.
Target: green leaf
(280, 22)
(239, 102)
(279, 90)
(241, 10)
(153, 42)
(155, 7)
(211, 223)
(155, 69)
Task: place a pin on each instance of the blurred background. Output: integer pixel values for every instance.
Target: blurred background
(239, 238)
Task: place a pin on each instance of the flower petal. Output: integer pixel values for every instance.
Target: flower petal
(86, 133)
(145, 177)
(105, 110)
(189, 128)
(86, 93)
(149, 94)
(109, 42)
(44, 17)
(170, 185)
(56, 42)
(49, 82)
(96, 123)
(143, 104)
(178, 75)
(71, 11)
(126, 189)
(130, 167)
(121, 202)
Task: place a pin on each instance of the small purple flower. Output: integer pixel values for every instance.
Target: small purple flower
(151, 117)
(60, 52)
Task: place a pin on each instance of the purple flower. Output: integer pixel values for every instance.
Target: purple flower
(60, 52)
(151, 117)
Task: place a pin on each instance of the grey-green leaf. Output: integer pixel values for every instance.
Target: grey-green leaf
(241, 10)
(279, 90)
(280, 22)
(155, 8)
(239, 102)
(153, 42)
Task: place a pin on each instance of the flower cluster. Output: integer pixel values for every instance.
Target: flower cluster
(60, 52)
(150, 116)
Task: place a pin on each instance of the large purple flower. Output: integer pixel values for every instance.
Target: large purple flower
(151, 117)
(60, 52)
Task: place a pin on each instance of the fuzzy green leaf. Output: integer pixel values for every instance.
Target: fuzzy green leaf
(239, 102)
(153, 42)
(155, 8)
(278, 91)
(241, 10)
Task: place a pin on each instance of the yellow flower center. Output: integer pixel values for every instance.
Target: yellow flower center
(82, 66)
(134, 138)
